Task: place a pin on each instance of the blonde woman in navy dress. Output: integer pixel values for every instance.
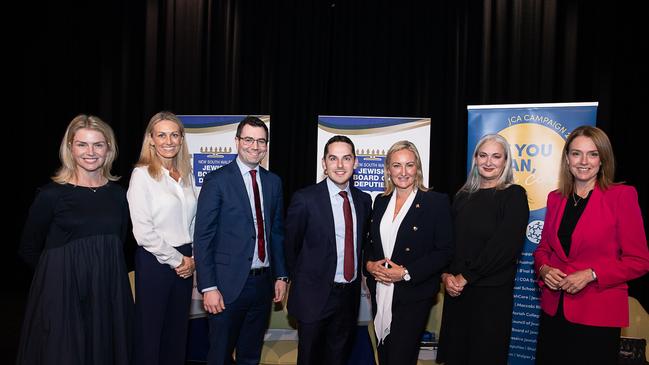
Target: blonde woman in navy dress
(80, 307)
(162, 201)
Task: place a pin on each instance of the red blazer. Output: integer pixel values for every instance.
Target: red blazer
(610, 239)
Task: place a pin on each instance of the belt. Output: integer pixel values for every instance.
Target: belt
(258, 271)
(337, 285)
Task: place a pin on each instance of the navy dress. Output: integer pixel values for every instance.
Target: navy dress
(80, 306)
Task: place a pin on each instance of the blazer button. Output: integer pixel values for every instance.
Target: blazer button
(417, 205)
(407, 249)
(414, 228)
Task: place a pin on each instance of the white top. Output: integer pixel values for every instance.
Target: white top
(339, 226)
(247, 180)
(162, 213)
(384, 293)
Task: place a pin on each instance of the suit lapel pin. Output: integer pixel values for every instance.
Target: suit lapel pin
(414, 228)
(407, 249)
(417, 205)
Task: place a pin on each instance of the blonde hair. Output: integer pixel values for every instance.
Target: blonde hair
(506, 178)
(68, 168)
(149, 157)
(396, 147)
(606, 172)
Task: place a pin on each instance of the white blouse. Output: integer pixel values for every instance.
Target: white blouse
(163, 213)
(389, 228)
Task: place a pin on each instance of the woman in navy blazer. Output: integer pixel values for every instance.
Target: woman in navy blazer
(593, 242)
(410, 243)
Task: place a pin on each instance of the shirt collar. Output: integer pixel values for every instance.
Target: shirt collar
(245, 168)
(334, 189)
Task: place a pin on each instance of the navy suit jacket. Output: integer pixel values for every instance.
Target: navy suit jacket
(225, 233)
(424, 245)
(311, 248)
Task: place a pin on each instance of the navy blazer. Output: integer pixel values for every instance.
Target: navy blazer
(424, 245)
(225, 233)
(310, 247)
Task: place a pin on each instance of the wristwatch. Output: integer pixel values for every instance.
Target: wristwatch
(406, 274)
(283, 278)
(592, 272)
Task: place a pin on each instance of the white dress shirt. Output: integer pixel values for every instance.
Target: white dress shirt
(163, 213)
(247, 179)
(339, 226)
(384, 293)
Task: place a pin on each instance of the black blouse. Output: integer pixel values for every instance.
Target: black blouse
(574, 208)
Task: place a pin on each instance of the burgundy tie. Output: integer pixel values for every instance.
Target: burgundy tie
(260, 218)
(348, 272)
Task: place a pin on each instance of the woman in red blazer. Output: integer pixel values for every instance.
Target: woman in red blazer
(593, 242)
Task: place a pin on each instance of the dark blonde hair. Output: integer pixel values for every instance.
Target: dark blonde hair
(149, 157)
(606, 172)
(396, 147)
(68, 168)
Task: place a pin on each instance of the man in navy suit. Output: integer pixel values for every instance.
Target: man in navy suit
(326, 225)
(238, 249)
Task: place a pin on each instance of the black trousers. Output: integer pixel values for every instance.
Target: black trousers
(329, 340)
(562, 342)
(162, 301)
(241, 326)
(401, 346)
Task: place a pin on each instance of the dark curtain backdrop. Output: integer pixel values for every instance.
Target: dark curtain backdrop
(124, 60)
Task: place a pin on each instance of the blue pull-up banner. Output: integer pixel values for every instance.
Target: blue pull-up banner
(537, 134)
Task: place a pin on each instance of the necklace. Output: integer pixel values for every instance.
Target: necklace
(89, 186)
(576, 200)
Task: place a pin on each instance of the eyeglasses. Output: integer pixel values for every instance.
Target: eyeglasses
(248, 141)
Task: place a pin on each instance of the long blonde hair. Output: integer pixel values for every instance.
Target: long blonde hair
(149, 157)
(68, 168)
(396, 147)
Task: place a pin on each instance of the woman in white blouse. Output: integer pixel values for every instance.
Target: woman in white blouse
(162, 202)
(410, 243)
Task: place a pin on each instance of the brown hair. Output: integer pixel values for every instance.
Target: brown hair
(606, 172)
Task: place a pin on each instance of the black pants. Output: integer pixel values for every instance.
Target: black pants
(401, 346)
(241, 326)
(562, 342)
(329, 340)
(162, 301)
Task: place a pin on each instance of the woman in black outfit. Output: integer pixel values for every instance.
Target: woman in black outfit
(490, 216)
(80, 306)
